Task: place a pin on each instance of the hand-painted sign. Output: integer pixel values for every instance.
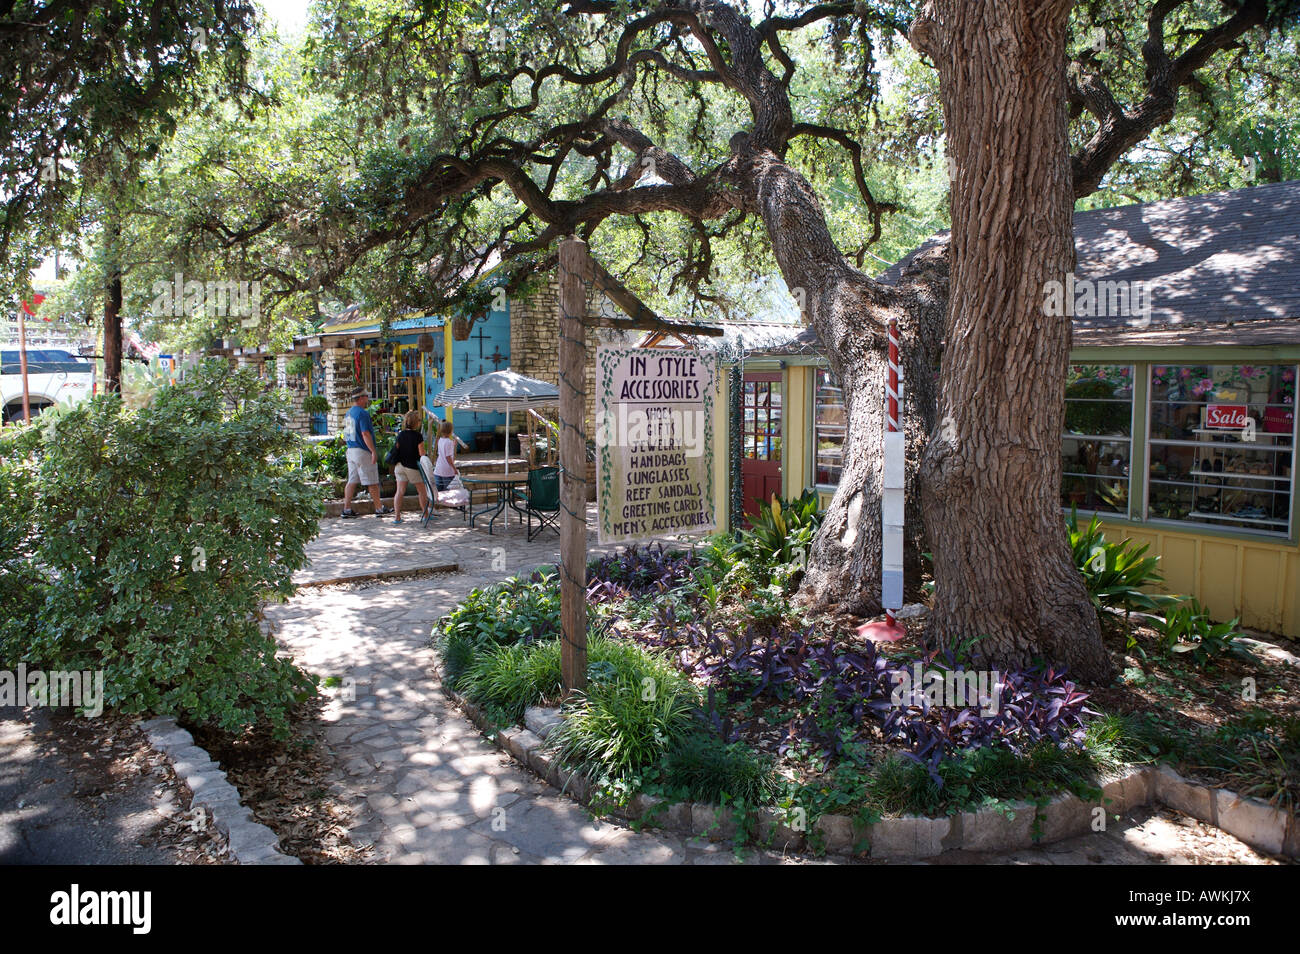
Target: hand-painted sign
(654, 439)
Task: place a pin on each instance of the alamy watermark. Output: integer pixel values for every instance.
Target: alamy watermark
(81, 907)
(948, 689)
(1085, 298)
(222, 299)
(38, 687)
(651, 430)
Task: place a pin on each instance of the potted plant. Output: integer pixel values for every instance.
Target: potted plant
(315, 404)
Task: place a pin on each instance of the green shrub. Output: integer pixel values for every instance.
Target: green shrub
(334, 458)
(155, 537)
(1114, 572)
(1187, 628)
(315, 404)
(706, 769)
(298, 365)
(514, 610)
(21, 582)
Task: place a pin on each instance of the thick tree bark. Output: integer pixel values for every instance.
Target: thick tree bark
(113, 317)
(850, 313)
(991, 474)
(844, 565)
(113, 334)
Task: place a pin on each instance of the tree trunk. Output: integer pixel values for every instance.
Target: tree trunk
(850, 314)
(113, 317)
(844, 564)
(991, 473)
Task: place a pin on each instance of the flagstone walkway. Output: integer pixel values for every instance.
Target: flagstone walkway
(429, 789)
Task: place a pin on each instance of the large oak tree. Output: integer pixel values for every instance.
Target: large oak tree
(499, 129)
(90, 91)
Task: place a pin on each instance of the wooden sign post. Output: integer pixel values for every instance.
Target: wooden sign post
(574, 267)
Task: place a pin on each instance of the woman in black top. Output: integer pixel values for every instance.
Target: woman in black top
(410, 448)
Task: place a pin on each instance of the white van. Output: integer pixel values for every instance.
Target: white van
(53, 377)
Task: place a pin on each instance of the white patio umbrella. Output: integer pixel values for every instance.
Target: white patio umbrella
(499, 392)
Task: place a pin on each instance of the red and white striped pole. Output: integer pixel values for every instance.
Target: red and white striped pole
(892, 392)
(891, 508)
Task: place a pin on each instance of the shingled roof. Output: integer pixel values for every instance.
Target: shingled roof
(1223, 268)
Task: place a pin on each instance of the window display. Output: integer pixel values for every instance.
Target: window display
(762, 420)
(1222, 443)
(1097, 444)
(829, 423)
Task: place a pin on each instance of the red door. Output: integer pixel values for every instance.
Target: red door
(760, 467)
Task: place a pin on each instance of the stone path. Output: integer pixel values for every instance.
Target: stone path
(429, 789)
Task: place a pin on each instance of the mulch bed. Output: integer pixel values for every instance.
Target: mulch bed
(1194, 698)
(1171, 685)
(287, 787)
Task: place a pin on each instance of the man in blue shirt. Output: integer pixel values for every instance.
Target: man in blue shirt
(363, 456)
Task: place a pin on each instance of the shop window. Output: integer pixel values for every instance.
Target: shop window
(1096, 448)
(1222, 442)
(762, 422)
(829, 426)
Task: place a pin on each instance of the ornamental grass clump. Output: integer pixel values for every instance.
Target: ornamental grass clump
(507, 679)
(704, 768)
(636, 708)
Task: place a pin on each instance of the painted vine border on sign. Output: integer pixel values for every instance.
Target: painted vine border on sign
(654, 439)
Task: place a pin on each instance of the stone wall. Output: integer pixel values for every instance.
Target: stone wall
(297, 387)
(340, 382)
(535, 340)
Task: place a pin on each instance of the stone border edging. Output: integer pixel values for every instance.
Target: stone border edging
(1258, 824)
(382, 575)
(251, 842)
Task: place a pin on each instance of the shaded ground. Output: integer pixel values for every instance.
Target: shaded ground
(288, 787)
(93, 792)
(426, 788)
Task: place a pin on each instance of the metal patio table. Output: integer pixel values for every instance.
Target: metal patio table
(505, 485)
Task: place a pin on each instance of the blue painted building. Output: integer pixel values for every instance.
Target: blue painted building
(399, 376)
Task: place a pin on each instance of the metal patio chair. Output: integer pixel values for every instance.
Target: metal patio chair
(542, 500)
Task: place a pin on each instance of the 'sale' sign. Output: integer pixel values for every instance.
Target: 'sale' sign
(1226, 416)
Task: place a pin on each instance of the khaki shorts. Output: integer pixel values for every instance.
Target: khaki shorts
(360, 468)
(411, 474)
